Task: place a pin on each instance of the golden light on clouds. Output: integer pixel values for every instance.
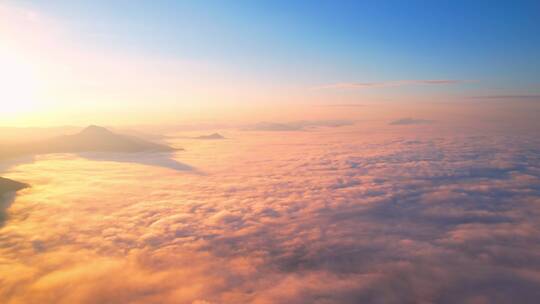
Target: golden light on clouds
(250, 222)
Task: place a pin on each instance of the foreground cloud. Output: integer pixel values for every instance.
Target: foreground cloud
(302, 217)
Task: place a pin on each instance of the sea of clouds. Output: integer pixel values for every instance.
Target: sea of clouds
(404, 214)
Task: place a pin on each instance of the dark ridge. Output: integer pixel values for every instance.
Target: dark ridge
(90, 139)
(95, 130)
(211, 136)
(8, 185)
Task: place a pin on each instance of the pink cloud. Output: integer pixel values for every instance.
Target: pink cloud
(301, 217)
(510, 97)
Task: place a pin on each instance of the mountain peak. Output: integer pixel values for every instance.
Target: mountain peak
(211, 136)
(7, 185)
(95, 130)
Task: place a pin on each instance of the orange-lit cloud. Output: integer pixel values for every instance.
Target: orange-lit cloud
(393, 215)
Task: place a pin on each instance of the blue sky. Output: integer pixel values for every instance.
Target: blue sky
(322, 41)
(261, 51)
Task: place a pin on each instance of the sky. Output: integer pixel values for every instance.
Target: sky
(68, 62)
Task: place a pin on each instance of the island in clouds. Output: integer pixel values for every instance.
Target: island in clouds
(91, 139)
(210, 136)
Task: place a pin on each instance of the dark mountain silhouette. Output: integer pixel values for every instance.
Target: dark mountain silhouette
(95, 138)
(7, 185)
(90, 139)
(98, 143)
(7, 194)
(211, 136)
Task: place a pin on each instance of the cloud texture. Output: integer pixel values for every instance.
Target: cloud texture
(342, 215)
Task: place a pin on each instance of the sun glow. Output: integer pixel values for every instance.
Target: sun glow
(20, 85)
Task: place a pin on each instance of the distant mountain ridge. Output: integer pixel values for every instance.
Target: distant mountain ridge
(91, 139)
(94, 138)
(211, 136)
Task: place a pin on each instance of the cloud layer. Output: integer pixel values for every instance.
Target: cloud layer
(343, 215)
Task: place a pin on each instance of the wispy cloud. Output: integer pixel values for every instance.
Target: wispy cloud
(296, 125)
(516, 96)
(410, 121)
(396, 83)
(343, 105)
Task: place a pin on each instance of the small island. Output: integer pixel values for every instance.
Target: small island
(210, 136)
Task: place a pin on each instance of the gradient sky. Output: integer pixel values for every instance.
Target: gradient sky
(67, 57)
